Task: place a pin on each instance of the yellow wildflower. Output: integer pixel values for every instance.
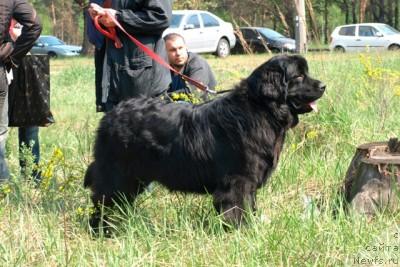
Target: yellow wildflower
(397, 90)
(58, 154)
(6, 189)
(293, 146)
(312, 134)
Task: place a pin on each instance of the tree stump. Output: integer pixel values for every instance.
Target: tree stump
(373, 177)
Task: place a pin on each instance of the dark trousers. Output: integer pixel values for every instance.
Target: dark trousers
(29, 137)
(99, 55)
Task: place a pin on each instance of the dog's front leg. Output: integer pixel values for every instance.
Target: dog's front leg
(235, 199)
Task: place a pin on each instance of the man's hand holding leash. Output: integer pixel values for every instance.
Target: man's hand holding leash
(104, 14)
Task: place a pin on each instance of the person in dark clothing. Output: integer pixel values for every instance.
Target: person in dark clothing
(131, 72)
(10, 56)
(190, 64)
(99, 42)
(28, 136)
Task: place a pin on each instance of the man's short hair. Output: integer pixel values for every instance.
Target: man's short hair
(173, 36)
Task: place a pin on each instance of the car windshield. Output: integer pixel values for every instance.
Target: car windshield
(386, 29)
(51, 41)
(176, 20)
(270, 33)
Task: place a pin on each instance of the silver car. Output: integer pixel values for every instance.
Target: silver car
(365, 36)
(54, 47)
(203, 31)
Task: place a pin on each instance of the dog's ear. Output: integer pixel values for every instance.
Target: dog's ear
(268, 82)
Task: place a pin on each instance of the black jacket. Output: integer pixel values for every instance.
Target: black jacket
(12, 53)
(129, 71)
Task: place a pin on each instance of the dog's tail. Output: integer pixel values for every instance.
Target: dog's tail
(89, 175)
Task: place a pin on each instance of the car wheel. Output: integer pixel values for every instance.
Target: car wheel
(52, 54)
(339, 49)
(394, 47)
(223, 49)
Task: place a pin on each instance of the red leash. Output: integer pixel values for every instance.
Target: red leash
(112, 34)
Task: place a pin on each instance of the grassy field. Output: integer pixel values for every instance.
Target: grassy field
(47, 226)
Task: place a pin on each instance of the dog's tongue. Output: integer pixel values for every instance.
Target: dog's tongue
(313, 105)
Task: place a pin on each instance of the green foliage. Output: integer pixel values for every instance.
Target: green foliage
(47, 225)
(195, 4)
(65, 18)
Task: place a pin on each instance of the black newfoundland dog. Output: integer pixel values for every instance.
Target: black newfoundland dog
(226, 147)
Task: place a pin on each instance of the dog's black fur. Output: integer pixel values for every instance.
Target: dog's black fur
(227, 147)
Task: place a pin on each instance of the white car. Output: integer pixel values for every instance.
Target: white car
(364, 36)
(203, 31)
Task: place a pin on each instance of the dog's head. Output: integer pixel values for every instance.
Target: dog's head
(284, 79)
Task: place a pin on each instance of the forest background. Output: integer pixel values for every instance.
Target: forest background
(65, 18)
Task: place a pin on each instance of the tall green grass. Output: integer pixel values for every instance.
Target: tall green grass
(294, 224)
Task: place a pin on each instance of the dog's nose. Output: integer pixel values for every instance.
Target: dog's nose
(322, 87)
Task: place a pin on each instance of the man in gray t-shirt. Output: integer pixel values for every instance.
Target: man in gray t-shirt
(188, 63)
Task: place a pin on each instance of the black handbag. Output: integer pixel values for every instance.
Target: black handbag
(29, 93)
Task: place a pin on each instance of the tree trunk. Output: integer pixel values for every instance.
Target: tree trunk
(374, 10)
(396, 14)
(326, 21)
(353, 10)
(363, 7)
(62, 21)
(283, 19)
(314, 26)
(382, 11)
(53, 14)
(346, 11)
(87, 47)
(389, 16)
(301, 28)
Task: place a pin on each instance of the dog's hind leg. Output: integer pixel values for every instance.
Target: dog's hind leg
(235, 199)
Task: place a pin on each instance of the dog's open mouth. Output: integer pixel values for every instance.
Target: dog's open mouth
(301, 107)
(313, 106)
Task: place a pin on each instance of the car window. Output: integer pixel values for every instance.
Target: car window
(176, 20)
(348, 31)
(50, 40)
(366, 31)
(194, 20)
(209, 21)
(387, 30)
(270, 34)
(249, 34)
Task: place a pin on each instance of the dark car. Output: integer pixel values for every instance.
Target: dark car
(261, 40)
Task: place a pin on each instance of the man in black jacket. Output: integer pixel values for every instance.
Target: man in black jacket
(131, 72)
(10, 56)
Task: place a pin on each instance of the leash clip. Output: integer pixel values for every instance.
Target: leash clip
(208, 90)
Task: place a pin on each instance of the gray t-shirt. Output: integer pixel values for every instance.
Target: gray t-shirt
(196, 68)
